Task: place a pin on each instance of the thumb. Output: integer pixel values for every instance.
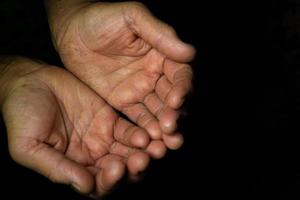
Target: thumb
(158, 34)
(29, 116)
(53, 164)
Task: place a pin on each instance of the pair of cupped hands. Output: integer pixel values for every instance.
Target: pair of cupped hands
(64, 123)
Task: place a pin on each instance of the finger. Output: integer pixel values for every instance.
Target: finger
(110, 173)
(28, 125)
(137, 163)
(158, 34)
(167, 117)
(103, 160)
(163, 88)
(140, 115)
(136, 160)
(156, 149)
(133, 176)
(122, 150)
(130, 135)
(173, 142)
(54, 165)
(180, 77)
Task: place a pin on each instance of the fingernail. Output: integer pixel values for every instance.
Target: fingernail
(76, 187)
(170, 127)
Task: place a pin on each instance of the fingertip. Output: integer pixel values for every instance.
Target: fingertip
(173, 142)
(138, 162)
(175, 101)
(140, 139)
(84, 183)
(109, 176)
(168, 121)
(157, 149)
(155, 131)
(184, 52)
(190, 52)
(178, 94)
(72, 173)
(115, 170)
(169, 126)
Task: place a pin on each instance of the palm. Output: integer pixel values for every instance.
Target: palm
(123, 68)
(71, 130)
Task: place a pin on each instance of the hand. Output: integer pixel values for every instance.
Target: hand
(62, 129)
(131, 59)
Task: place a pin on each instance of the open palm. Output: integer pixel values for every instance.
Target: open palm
(131, 59)
(62, 129)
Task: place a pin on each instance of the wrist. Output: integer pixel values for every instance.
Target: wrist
(12, 68)
(60, 14)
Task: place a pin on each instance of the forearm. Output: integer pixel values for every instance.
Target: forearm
(59, 11)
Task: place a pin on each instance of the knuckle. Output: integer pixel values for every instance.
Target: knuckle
(137, 5)
(51, 176)
(136, 9)
(17, 151)
(141, 118)
(171, 30)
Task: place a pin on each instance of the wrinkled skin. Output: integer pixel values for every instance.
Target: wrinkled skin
(59, 127)
(131, 59)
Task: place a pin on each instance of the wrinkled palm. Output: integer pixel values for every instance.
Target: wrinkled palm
(130, 59)
(59, 127)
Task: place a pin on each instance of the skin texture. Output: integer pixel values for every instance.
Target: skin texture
(60, 128)
(128, 57)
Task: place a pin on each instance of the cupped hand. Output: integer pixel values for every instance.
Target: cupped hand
(59, 127)
(130, 58)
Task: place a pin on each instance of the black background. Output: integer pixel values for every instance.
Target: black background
(239, 144)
